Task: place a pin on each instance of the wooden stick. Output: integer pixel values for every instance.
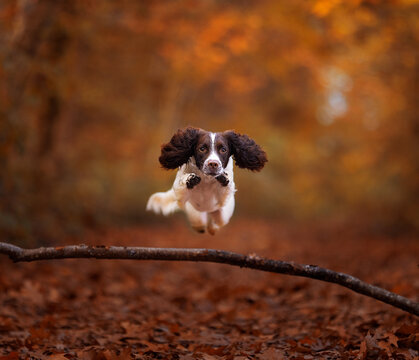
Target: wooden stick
(215, 256)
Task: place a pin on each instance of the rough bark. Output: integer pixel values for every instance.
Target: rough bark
(18, 254)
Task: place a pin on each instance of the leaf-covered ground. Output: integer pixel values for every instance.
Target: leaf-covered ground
(101, 309)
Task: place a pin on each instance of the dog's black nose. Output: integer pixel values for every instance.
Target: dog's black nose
(213, 165)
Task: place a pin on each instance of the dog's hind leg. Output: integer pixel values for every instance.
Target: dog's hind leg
(197, 219)
(163, 202)
(220, 217)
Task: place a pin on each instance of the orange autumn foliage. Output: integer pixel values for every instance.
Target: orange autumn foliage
(89, 91)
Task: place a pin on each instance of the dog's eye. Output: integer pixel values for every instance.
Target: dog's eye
(202, 148)
(223, 150)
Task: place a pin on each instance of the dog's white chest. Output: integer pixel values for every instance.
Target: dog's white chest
(207, 196)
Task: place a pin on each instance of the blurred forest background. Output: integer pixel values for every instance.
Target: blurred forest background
(89, 90)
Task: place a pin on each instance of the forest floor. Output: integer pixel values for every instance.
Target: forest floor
(118, 309)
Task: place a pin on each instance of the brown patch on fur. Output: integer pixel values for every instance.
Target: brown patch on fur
(204, 142)
(180, 148)
(246, 153)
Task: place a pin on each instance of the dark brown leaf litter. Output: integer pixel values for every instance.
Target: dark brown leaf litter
(91, 309)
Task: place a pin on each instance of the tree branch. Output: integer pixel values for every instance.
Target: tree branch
(18, 254)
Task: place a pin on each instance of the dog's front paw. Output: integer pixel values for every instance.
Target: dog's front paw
(222, 179)
(192, 181)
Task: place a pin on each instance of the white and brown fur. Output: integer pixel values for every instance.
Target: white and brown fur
(204, 186)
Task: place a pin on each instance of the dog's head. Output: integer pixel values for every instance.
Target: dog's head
(212, 151)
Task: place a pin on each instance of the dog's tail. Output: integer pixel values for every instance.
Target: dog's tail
(163, 203)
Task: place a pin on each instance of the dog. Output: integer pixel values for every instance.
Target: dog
(204, 186)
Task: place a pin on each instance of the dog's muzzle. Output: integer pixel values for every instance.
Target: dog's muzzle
(212, 167)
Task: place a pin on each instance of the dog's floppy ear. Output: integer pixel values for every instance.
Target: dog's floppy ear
(246, 153)
(179, 149)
